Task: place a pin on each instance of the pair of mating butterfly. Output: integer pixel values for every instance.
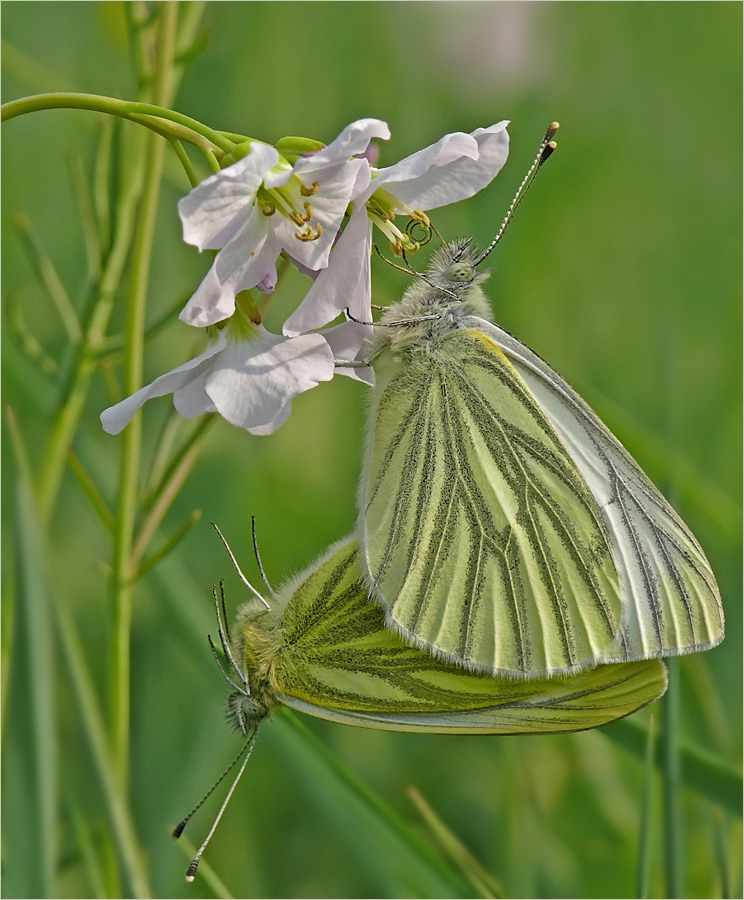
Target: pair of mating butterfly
(514, 570)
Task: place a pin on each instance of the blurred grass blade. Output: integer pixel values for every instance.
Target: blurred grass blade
(123, 828)
(84, 199)
(671, 784)
(47, 274)
(644, 851)
(84, 841)
(170, 544)
(369, 828)
(477, 875)
(703, 772)
(90, 489)
(30, 845)
(719, 837)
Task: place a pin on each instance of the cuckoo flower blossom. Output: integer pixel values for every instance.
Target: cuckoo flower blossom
(455, 168)
(247, 374)
(261, 205)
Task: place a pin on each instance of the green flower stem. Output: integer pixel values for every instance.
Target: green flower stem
(159, 118)
(131, 439)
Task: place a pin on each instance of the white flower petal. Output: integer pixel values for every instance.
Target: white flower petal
(116, 417)
(329, 205)
(209, 303)
(213, 212)
(347, 341)
(446, 150)
(354, 139)
(460, 178)
(236, 268)
(255, 380)
(345, 283)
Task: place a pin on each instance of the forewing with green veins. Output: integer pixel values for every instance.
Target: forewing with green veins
(336, 659)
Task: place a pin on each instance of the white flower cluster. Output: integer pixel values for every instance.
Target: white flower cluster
(262, 206)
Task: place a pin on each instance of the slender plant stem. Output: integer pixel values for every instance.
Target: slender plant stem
(146, 113)
(131, 442)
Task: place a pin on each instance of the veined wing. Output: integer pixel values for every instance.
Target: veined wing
(479, 534)
(671, 603)
(338, 661)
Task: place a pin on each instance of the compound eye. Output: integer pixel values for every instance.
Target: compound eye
(459, 271)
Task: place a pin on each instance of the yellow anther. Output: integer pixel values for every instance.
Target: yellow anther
(308, 234)
(309, 191)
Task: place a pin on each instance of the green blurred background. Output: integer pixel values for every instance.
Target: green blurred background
(623, 270)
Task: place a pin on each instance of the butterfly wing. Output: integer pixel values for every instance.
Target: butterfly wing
(337, 660)
(479, 534)
(671, 603)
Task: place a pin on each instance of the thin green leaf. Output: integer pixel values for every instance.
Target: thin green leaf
(483, 883)
(173, 541)
(91, 491)
(26, 339)
(84, 199)
(32, 862)
(45, 271)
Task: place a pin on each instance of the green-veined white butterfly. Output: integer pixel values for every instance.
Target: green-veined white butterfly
(323, 648)
(502, 525)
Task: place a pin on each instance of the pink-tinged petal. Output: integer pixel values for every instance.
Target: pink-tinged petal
(353, 140)
(213, 212)
(461, 178)
(256, 380)
(117, 417)
(347, 341)
(267, 285)
(346, 283)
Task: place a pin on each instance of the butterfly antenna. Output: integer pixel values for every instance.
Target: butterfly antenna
(245, 751)
(238, 569)
(547, 146)
(258, 558)
(242, 688)
(225, 640)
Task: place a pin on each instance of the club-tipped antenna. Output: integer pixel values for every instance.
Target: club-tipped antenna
(238, 569)
(547, 146)
(261, 572)
(245, 750)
